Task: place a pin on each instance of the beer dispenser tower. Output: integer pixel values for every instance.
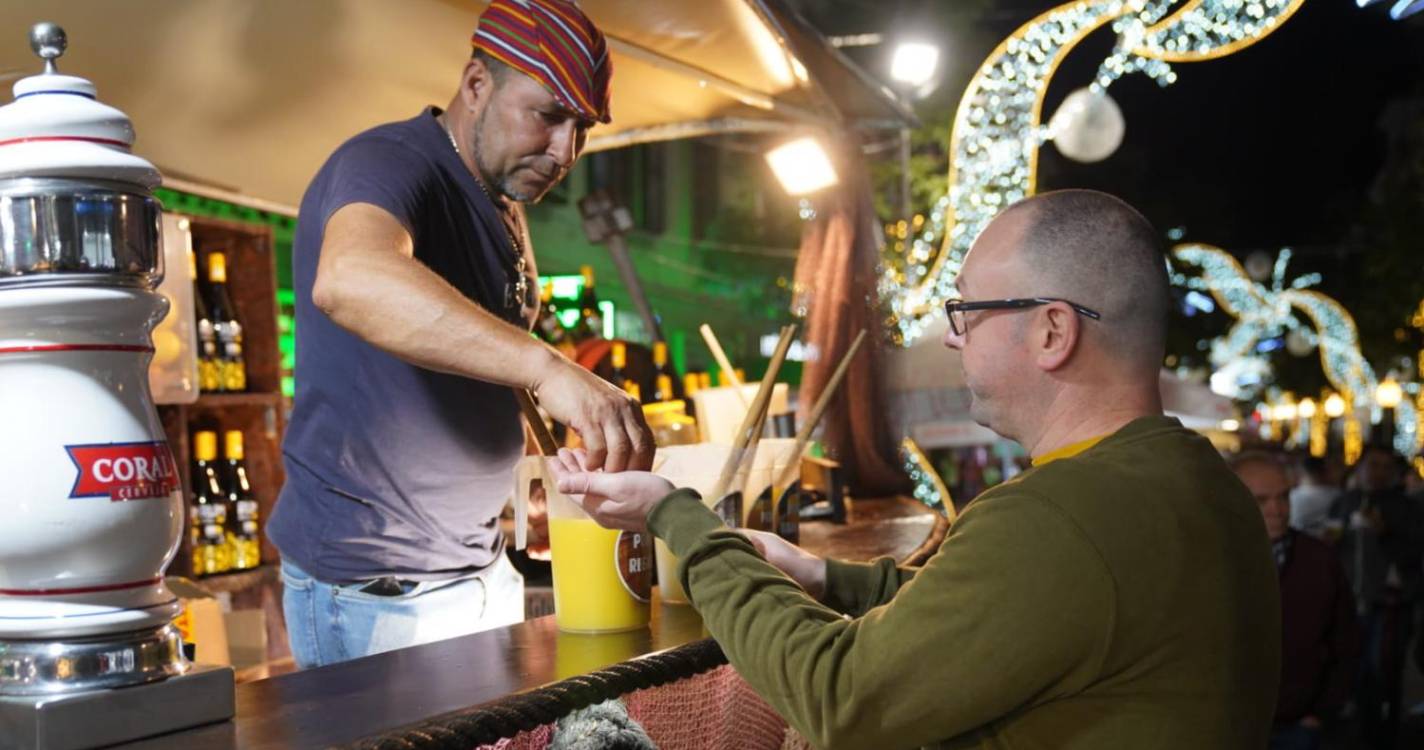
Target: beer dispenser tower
(91, 507)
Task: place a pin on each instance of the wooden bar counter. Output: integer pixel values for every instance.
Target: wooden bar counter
(344, 703)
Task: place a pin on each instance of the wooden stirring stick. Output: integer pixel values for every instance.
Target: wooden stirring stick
(756, 415)
(722, 361)
(803, 436)
(542, 436)
(744, 469)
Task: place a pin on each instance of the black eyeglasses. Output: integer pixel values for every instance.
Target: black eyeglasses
(954, 309)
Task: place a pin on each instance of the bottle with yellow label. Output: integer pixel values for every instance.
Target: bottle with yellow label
(208, 512)
(549, 328)
(691, 384)
(243, 533)
(664, 370)
(618, 357)
(209, 378)
(663, 391)
(590, 322)
(232, 366)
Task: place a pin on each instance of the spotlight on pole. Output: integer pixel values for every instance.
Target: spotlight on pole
(914, 63)
(802, 166)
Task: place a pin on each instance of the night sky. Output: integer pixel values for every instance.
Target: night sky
(1270, 146)
(1277, 145)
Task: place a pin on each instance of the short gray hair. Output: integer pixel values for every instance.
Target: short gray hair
(1097, 251)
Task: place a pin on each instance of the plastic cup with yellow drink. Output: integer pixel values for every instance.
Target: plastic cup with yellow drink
(602, 577)
(697, 467)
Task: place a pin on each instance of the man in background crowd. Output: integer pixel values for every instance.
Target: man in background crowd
(1313, 497)
(1319, 633)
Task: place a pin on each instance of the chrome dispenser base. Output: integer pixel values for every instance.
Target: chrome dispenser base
(75, 721)
(70, 665)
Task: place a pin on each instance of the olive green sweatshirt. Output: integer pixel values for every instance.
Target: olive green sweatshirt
(1124, 597)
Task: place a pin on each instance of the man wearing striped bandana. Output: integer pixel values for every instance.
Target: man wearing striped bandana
(565, 83)
(415, 292)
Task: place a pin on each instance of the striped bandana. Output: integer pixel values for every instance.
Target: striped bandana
(554, 43)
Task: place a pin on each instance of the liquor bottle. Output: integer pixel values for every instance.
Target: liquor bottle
(208, 513)
(632, 388)
(620, 363)
(661, 362)
(704, 380)
(691, 384)
(242, 505)
(208, 373)
(590, 322)
(549, 328)
(663, 391)
(232, 365)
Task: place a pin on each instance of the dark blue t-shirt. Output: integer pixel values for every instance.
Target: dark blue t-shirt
(393, 469)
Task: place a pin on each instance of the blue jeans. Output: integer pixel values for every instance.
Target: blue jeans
(329, 623)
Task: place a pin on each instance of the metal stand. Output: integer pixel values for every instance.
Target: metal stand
(96, 718)
(87, 692)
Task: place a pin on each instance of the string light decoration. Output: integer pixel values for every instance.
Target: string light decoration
(1319, 433)
(929, 487)
(997, 128)
(1417, 321)
(1354, 437)
(1263, 312)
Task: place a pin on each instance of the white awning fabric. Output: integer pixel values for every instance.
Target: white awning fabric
(250, 96)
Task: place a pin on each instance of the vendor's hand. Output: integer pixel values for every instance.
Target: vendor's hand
(803, 567)
(609, 421)
(619, 500)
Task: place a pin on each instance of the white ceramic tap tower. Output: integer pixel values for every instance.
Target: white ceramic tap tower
(90, 498)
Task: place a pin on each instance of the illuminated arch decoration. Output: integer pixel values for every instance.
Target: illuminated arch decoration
(1263, 313)
(998, 126)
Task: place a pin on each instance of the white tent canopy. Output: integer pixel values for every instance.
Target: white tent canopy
(250, 96)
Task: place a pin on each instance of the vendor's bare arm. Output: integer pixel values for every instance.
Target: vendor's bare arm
(369, 283)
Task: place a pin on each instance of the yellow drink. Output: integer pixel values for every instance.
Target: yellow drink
(580, 653)
(589, 593)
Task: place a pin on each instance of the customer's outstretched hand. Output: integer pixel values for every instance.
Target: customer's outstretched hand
(616, 500)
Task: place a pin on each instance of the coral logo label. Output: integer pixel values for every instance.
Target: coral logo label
(123, 471)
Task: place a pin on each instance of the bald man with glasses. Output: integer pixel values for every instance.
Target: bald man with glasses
(1119, 594)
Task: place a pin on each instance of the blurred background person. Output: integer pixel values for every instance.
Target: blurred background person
(1313, 497)
(1319, 633)
(1381, 549)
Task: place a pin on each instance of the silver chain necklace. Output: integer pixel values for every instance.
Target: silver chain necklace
(516, 294)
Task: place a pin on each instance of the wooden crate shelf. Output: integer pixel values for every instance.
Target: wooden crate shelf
(258, 412)
(221, 400)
